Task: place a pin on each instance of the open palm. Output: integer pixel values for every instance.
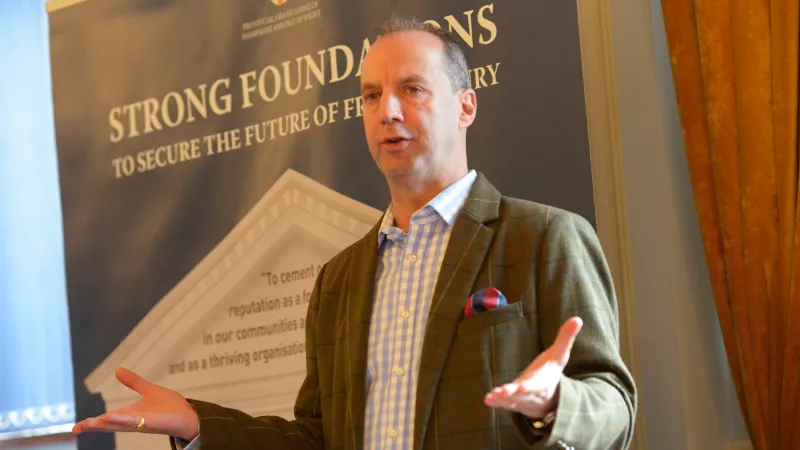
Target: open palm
(164, 410)
(535, 392)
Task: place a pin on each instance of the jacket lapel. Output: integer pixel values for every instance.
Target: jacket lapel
(469, 242)
(363, 266)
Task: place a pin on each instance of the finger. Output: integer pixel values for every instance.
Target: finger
(82, 426)
(495, 394)
(498, 400)
(504, 392)
(90, 424)
(132, 380)
(107, 422)
(121, 420)
(506, 401)
(561, 348)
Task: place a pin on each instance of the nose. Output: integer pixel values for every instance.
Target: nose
(390, 109)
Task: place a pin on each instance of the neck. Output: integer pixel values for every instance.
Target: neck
(408, 198)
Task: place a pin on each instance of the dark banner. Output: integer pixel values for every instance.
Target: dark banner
(212, 157)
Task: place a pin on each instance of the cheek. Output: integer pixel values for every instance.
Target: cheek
(421, 120)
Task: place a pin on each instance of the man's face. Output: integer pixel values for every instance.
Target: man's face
(411, 114)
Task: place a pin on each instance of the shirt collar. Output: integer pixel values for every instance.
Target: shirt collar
(447, 204)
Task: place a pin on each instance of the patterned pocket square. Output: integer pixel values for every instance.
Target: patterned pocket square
(484, 300)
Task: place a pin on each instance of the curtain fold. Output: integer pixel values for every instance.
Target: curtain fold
(734, 65)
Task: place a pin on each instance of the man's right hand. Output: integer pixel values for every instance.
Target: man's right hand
(164, 410)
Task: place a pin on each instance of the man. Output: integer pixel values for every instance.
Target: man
(440, 328)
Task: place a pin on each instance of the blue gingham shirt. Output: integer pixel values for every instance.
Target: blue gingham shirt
(408, 267)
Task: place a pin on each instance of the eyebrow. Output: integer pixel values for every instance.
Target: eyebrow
(368, 86)
(411, 79)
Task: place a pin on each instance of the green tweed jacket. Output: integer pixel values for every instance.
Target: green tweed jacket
(549, 265)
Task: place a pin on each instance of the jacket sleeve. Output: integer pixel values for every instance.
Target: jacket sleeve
(597, 395)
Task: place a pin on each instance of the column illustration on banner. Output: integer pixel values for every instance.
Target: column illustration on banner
(232, 331)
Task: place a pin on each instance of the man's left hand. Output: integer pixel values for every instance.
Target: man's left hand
(535, 392)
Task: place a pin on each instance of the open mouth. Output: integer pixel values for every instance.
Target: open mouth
(394, 140)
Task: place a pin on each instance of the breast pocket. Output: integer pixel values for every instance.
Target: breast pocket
(491, 318)
(490, 349)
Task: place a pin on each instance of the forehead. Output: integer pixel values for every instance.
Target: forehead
(403, 54)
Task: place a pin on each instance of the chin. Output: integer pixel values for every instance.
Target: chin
(395, 167)
(395, 173)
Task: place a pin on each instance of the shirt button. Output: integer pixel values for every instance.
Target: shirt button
(412, 258)
(399, 371)
(405, 314)
(393, 432)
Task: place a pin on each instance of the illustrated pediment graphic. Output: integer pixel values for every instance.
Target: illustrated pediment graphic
(232, 330)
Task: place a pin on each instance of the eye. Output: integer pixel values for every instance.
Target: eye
(414, 90)
(371, 96)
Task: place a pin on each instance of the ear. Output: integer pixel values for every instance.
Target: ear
(469, 107)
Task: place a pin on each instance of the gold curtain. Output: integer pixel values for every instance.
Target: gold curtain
(735, 69)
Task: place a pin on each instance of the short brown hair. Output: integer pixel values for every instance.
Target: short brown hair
(454, 59)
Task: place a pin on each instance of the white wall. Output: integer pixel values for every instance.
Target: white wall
(687, 393)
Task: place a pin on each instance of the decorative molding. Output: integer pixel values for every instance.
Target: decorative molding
(55, 5)
(296, 216)
(27, 421)
(346, 221)
(605, 150)
(15, 437)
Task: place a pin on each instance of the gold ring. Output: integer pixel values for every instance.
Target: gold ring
(142, 424)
